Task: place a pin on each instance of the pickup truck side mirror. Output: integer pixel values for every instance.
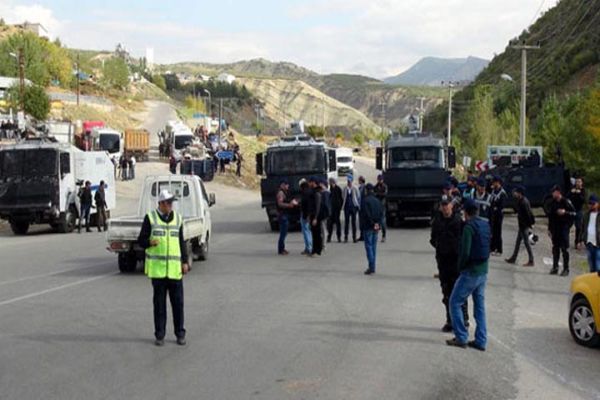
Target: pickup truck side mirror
(212, 199)
(379, 159)
(259, 164)
(451, 157)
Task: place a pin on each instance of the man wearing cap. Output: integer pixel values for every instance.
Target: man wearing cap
(526, 221)
(381, 192)
(497, 201)
(591, 234)
(445, 238)
(371, 218)
(351, 206)
(560, 219)
(284, 204)
(449, 193)
(482, 199)
(469, 192)
(337, 202)
(166, 263)
(473, 266)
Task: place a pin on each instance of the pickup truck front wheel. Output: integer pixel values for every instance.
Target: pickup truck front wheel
(203, 250)
(127, 262)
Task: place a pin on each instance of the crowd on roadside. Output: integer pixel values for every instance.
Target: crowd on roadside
(8, 130)
(124, 167)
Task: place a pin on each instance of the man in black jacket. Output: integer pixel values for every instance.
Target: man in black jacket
(445, 238)
(560, 219)
(498, 199)
(381, 192)
(337, 201)
(578, 199)
(316, 223)
(371, 218)
(85, 200)
(526, 221)
(100, 199)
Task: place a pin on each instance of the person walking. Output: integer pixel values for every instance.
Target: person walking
(161, 236)
(577, 197)
(337, 202)
(284, 204)
(362, 191)
(132, 162)
(526, 221)
(446, 231)
(560, 219)
(306, 201)
(371, 219)
(85, 201)
(381, 192)
(238, 163)
(498, 199)
(591, 234)
(100, 200)
(482, 199)
(351, 197)
(124, 165)
(473, 266)
(316, 221)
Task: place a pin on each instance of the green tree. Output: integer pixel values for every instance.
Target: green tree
(36, 101)
(115, 73)
(316, 131)
(159, 81)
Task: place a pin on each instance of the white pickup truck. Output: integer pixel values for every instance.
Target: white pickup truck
(193, 203)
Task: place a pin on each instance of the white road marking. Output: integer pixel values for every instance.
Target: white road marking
(49, 274)
(55, 289)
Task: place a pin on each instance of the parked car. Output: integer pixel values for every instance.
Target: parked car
(584, 313)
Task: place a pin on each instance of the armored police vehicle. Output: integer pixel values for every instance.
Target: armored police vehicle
(292, 158)
(39, 182)
(415, 168)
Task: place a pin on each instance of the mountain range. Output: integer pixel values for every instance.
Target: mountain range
(431, 71)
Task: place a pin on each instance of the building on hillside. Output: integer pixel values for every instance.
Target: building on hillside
(228, 78)
(150, 58)
(34, 27)
(203, 78)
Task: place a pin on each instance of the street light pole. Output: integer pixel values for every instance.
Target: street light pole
(21, 61)
(523, 120)
(78, 77)
(451, 86)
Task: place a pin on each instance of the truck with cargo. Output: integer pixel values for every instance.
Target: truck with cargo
(292, 158)
(193, 202)
(39, 183)
(137, 143)
(415, 168)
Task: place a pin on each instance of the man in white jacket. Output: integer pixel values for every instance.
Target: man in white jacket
(351, 207)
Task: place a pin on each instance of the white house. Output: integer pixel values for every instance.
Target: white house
(226, 78)
(34, 27)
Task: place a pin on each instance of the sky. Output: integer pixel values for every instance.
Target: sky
(377, 38)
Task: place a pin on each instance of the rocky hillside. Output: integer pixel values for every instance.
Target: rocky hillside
(361, 93)
(431, 71)
(286, 100)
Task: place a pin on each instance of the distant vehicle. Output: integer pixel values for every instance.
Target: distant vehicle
(297, 127)
(345, 161)
(62, 131)
(584, 310)
(524, 166)
(415, 168)
(137, 142)
(193, 202)
(179, 136)
(292, 158)
(39, 183)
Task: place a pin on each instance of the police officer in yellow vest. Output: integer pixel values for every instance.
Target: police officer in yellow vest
(166, 263)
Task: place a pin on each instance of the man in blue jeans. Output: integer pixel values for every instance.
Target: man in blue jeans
(473, 266)
(371, 219)
(284, 204)
(591, 234)
(306, 202)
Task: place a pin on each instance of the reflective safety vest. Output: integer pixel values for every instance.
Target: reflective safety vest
(164, 260)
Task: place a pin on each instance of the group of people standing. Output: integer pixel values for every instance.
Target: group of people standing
(86, 203)
(8, 130)
(125, 167)
(320, 207)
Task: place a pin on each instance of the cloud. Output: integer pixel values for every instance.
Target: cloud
(36, 13)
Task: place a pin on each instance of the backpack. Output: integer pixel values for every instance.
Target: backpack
(480, 248)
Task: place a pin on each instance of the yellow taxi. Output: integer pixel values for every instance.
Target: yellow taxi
(584, 313)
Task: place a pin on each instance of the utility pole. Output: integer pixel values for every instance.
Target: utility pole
(383, 120)
(220, 118)
(421, 114)
(21, 60)
(323, 104)
(523, 121)
(451, 86)
(78, 77)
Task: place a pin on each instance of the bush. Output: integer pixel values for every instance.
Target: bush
(37, 102)
(115, 73)
(359, 139)
(159, 81)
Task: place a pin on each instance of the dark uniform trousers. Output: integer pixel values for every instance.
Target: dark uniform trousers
(447, 263)
(496, 224)
(334, 220)
(560, 243)
(175, 290)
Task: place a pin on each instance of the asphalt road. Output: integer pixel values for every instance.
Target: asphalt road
(262, 326)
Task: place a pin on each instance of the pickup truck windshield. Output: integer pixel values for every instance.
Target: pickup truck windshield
(414, 157)
(294, 161)
(181, 142)
(110, 142)
(344, 159)
(28, 163)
